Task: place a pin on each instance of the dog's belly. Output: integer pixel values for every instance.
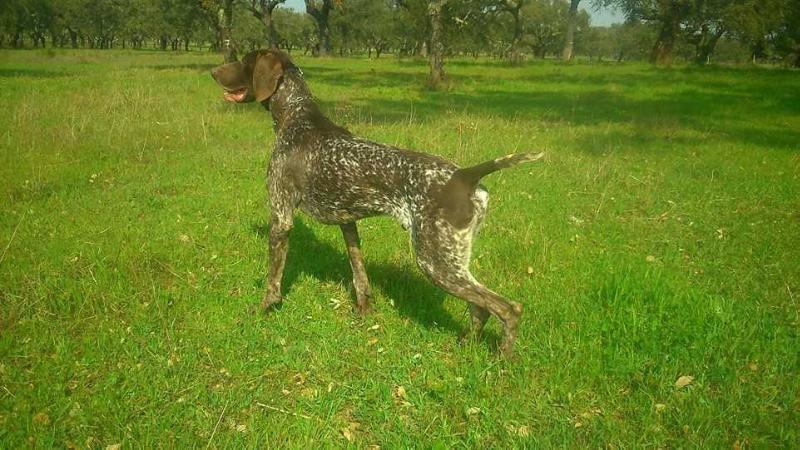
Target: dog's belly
(330, 208)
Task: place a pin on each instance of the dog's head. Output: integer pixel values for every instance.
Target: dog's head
(255, 77)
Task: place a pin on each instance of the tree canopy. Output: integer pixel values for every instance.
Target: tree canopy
(658, 30)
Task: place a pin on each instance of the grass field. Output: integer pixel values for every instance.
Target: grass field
(659, 240)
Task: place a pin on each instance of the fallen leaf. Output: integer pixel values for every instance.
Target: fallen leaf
(372, 341)
(399, 392)
(684, 381)
(523, 431)
(472, 411)
(348, 434)
(241, 428)
(530, 270)
(114, 447)
(41, 418)
(374, 327)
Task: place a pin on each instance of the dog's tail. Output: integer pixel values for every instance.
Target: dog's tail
(455, 197)
(472, 175)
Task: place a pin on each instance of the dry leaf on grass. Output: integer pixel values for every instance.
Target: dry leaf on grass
(399, 392)
(684, 381)
(41, 418)
(349, 433)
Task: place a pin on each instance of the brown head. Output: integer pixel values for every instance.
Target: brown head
(256, 77)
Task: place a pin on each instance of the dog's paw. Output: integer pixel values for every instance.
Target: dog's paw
(270, 302)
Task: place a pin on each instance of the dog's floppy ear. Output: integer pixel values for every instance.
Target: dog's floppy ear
(266, 74)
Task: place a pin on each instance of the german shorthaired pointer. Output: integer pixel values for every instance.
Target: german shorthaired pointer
(338, 178)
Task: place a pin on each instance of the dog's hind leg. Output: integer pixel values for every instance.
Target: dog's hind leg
(479, 317)
(444, 257)
(483, 301)
(360, 280)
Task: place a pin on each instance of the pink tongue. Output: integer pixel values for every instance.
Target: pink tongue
(234, 96)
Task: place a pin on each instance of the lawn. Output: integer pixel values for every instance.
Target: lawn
(658, 241)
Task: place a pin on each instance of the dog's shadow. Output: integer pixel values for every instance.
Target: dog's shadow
(414, 296)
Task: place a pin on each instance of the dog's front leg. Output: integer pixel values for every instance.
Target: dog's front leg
(281, 222)
(278, 248)
(360, 280)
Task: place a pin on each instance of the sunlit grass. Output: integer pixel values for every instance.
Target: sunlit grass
(659, 239)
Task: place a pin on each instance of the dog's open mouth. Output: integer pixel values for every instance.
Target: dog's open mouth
(236, 96)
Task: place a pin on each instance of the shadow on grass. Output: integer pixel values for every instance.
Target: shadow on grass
(709, 100)
(197, 67)
(414, 296)
(32, 73)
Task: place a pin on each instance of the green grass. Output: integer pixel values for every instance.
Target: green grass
(659, 239)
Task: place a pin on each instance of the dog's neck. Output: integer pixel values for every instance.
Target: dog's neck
(290, 100)
(293, 106)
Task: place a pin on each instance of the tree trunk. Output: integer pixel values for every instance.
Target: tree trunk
(670, 19)
(662, 50)
(320, 15)
(569, 40)
(705, 48)
(436, 49)
(272, 33)
(516, 52)
(226, 19)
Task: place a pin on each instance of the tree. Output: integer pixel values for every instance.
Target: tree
(297, 29)
(629, 40)
(320, 10)
(436, 47)
(219, 15)
(569, 39)
(787, 36)
(543, 23)
(755, 22)
(666, 15)
(262, 10)
(514, 9)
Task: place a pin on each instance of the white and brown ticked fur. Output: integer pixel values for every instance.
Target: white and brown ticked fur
(338, 178)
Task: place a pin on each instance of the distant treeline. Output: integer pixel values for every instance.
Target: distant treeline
(661, 31)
